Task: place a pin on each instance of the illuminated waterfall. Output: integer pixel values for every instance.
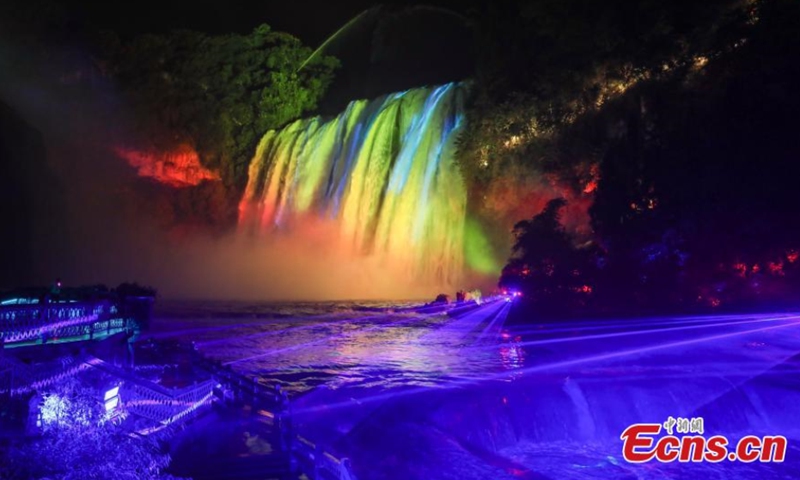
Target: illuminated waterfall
(382, 172)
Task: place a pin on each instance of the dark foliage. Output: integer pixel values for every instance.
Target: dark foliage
(697, 204)
(77, 442)
(553, 273)
(219, 94)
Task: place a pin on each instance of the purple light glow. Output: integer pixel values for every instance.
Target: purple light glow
(466, 374)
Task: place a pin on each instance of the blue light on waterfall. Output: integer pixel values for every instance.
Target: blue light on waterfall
(383, 172)
(414, 138)
(353, 145)
(430, 171)
(341, 137)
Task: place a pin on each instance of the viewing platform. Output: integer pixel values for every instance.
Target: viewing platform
(36, 317)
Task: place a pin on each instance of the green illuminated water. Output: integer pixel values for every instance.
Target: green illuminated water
(382, 173)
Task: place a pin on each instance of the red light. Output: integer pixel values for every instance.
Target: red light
(776, 268)
(740, 269)
(180, 167)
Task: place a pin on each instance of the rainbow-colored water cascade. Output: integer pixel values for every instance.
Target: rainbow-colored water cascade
(382, 172)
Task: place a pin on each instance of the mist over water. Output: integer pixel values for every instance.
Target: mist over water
(294, 267)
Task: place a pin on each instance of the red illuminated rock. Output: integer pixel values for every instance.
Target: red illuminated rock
(180, 167)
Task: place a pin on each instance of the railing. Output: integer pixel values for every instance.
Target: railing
(242, 387)
(311, 459)
(233, 386)
(154, 402)
(166, 407)
(51, 321)
(160, 405)
(22, 378)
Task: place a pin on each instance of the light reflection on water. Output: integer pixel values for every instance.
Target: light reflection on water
(334, 344)
(341, 347)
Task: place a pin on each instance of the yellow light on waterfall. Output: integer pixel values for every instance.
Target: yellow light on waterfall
(383, 172)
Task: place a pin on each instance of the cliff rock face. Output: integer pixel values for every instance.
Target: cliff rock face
(25, 187)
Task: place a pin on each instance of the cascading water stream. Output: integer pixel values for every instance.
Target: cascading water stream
(382, 172)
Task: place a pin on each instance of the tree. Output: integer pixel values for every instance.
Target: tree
(686, 111)
(542, 65)
(553, 275)
(79, 443)
(218, 94)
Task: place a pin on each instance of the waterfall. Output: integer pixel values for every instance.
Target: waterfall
(382, 172)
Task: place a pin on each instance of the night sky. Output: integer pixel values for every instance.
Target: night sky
(310, 20)
(406, 61)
